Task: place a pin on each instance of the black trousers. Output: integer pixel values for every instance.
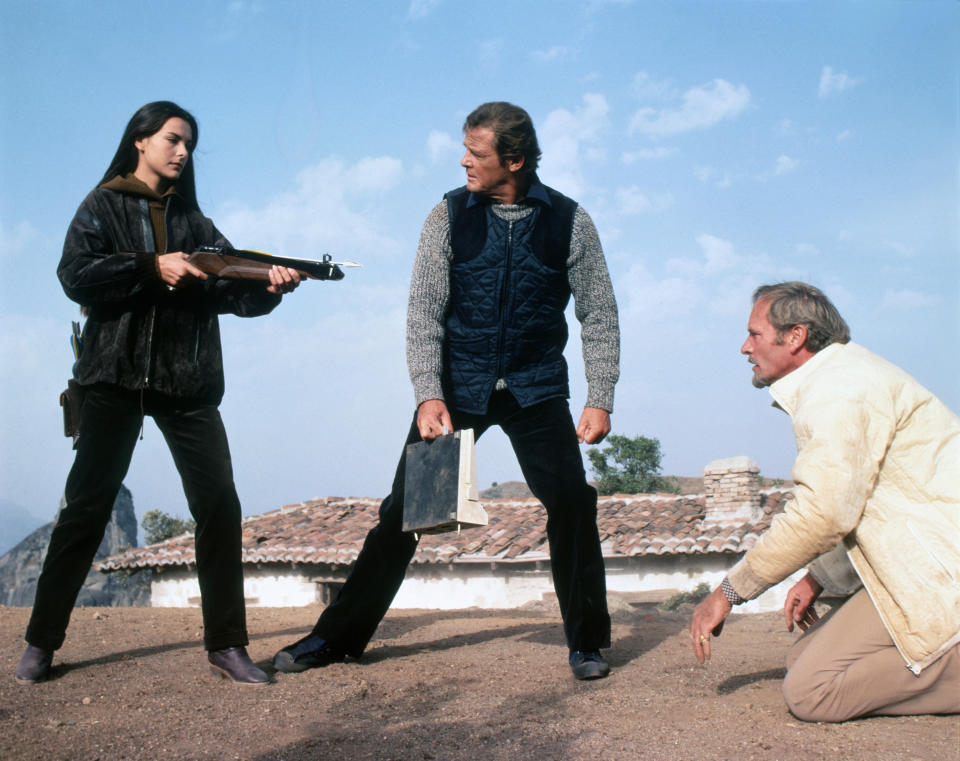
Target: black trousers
(110, 420)
(544, 439)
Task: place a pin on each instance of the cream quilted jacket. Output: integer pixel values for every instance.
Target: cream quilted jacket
(878, 468)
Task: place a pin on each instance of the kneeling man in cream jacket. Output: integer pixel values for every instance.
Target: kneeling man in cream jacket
(877, 498)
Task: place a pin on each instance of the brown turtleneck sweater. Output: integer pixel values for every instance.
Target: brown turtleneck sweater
(128, 183)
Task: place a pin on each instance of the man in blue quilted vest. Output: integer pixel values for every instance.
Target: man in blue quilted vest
(497, 263)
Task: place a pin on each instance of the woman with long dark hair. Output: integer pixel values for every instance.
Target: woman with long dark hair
(151, 346)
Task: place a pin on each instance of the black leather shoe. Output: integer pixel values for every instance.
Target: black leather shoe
(588, 665)
(233, 663)
(311, 652)
(34, 665)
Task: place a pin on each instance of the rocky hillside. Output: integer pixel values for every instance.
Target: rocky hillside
(506, 490)
(519, 490)
(20, 567)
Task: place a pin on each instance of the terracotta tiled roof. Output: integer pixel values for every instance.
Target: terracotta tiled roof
(330, 532)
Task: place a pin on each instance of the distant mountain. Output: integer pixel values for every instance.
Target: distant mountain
(506, 490)
(16, 524)
(519, 490)
(20, 567)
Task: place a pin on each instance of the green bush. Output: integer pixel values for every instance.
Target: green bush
(701, 592)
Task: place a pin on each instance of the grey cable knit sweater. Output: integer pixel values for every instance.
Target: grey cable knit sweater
(594, 305)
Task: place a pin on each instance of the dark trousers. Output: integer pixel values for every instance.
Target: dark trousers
(110, 420)
(544, 439)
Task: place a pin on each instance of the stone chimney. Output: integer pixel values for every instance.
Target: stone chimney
(732, 487)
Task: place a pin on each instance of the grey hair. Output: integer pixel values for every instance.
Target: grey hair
(797, 303)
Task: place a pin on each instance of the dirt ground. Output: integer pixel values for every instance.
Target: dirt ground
(132, 683)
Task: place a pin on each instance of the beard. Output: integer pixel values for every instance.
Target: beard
(757, 380)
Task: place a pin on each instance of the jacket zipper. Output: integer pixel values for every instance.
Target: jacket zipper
(146, 376)
(504, 295)
(153, 309)
(930, 553)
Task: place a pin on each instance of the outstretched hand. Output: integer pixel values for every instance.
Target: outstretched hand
(594, 425)
(708, 618)
(798, 608)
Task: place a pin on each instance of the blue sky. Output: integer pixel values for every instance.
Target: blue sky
(717, 146)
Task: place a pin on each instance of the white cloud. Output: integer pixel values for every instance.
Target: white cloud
(441, 146)
(375, 175)
(834, 83)
(333, 207)
(700, 301)
(704, 173)
(422, 8)
(556, 53)
(718, 253)
(845, 135)
(648, 154)
(718, 256)
(586, 124)
(645, 87)
(632, 201)
(703, 106)
(719, 283)
(906, 299)
(785, 165)
(648, 300)
(709, 175)
(567, 137)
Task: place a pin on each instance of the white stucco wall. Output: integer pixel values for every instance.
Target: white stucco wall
(471, 585)
(176, 588)
(263, 587)
(277, 588)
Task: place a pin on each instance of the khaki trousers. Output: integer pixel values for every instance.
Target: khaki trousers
(847, 666)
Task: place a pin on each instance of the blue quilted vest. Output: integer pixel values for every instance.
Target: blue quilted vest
(508, 292)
